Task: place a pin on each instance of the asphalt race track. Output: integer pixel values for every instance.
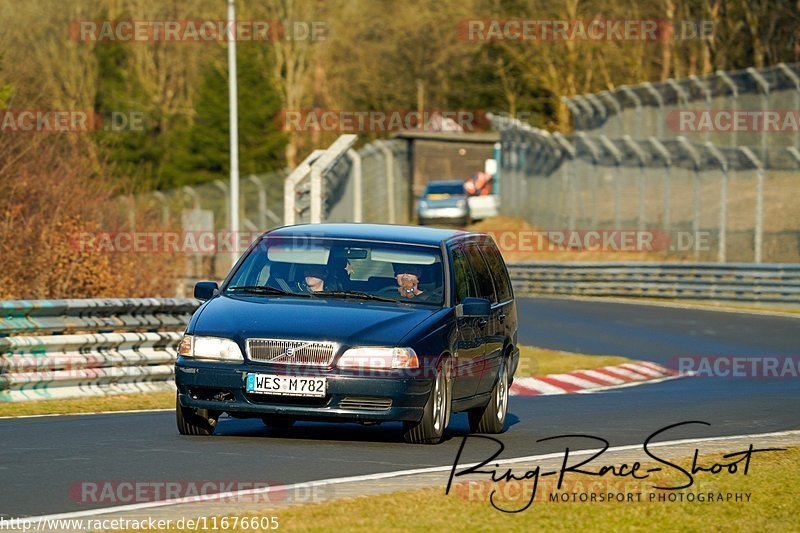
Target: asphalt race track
(42, 458)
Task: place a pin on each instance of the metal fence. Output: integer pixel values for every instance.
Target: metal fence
(743, 283)
(383, 196)
(385, 185)
(628, 166)
(53, 349)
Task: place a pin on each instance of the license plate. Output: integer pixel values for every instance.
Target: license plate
(286, 385)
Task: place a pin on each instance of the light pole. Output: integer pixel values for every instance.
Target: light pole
(233, 208)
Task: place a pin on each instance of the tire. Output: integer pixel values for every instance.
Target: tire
(436, 415)
(492, 417)
(281, 422)
(193, 421)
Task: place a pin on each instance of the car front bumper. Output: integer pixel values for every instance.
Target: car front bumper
(221, 387)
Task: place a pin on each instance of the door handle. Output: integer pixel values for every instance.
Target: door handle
(501, 317)
(482, 322)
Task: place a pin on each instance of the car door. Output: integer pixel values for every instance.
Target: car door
(503, 311)
(469, 337)
(492, 342)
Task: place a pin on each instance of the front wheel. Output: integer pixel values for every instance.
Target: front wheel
(194, 421)
(436, 415)
(492, 417)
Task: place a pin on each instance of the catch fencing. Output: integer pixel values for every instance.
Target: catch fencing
(632, 164)
(383, 196)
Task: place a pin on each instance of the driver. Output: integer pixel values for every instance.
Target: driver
(315, 277)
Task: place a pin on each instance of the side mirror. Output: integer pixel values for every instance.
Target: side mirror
(476, 307)
(205, 290)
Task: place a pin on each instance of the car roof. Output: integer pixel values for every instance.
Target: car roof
(445, 182)
(374, 232)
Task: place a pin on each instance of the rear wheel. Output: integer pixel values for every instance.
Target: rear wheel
(194, 421)
(436, 415)
(492, 417)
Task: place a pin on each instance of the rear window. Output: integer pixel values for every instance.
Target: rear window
(499, 272)
(464, 282)
(445, 188)
(483, 277)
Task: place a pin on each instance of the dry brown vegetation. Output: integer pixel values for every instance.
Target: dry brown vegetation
(48, 195)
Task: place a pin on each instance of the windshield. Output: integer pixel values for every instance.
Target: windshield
(444, 188)
(341, 268)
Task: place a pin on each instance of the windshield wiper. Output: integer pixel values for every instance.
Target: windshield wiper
(260, 289)
(355, 294)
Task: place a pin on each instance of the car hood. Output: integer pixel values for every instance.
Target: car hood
(349, 322)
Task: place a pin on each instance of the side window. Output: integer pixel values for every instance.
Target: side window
(462, 276)
(498, 269)
(483, 278)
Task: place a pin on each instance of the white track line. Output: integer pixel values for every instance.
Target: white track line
(383, 475)
(128, 412)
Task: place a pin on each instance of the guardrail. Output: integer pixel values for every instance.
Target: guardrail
(733, 282)
(72, 348)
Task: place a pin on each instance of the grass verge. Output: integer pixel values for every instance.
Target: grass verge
(533, 361)
(93, 404)
(772, 505)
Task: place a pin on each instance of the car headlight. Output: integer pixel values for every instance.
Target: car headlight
(423, 204)
(379, 358)
(211, 348)
(461, 203)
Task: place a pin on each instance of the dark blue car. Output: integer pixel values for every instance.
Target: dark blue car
(357, 323)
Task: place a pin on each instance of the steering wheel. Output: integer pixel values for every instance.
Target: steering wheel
(390, 290)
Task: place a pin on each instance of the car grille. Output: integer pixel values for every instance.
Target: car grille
(364, 403)
(291, 352)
